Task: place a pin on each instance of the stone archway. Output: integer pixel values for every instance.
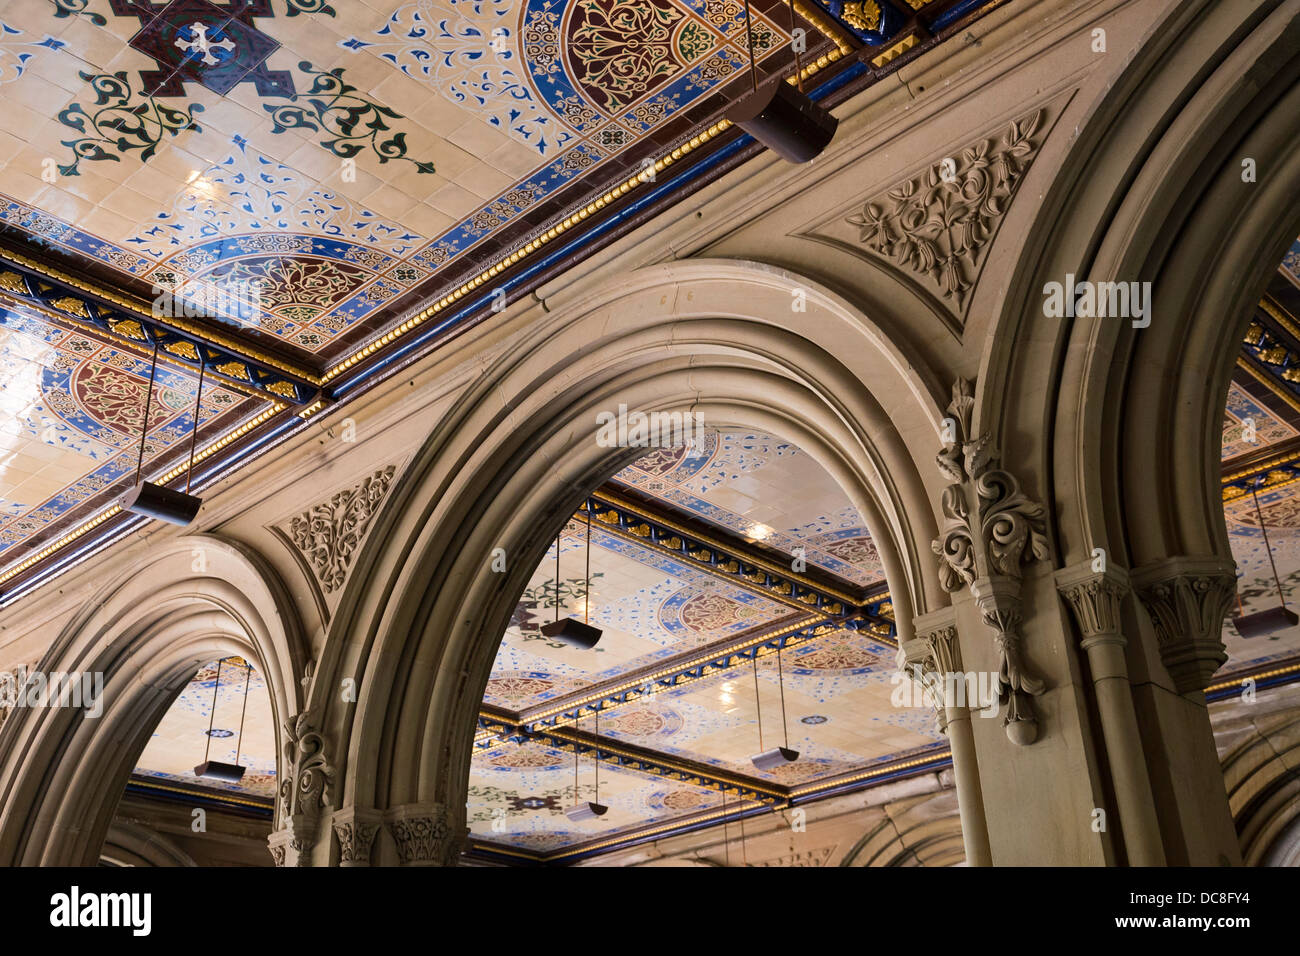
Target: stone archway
(420, 623)
(191, 600)
(1098, 413)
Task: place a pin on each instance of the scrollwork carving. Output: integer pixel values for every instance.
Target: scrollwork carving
(990, 530)
(939, 223)
(330, 533)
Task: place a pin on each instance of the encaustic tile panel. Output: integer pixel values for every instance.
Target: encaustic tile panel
(336, 157)
(73, 410)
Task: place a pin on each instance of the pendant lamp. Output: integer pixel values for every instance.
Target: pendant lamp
(158, 501)
(587, 809)
(780, 116)
(216, 769)
(571, 631)
(777, 756)
(1272, 619)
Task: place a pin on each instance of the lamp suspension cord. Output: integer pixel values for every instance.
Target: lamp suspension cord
(239, 741)
(213, 715)
(596, 757)
(194, 438)
(726, 832)
(798, 64)
(1267, 547)
(780, 679)
(749, 30)
(148, 400)
(557, 577)
(758, 702)
(744, 853)
(575, 768)
(586, 586)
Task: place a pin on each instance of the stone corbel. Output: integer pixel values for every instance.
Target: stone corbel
(303, 789)
(990, 529)
(1187, 599)
(426, 835)
(355, 830)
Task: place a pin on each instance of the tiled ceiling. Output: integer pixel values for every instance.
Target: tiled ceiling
(1261, 442)
(198, 728)
(310, 189)
(678, 541)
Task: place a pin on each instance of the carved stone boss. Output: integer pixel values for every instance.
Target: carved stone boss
(990, 529)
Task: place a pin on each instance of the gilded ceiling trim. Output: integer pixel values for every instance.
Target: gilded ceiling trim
(112, 510)
(1268, 381)
(568, 710)
(656, 765)
(779, 584)
(141, 310)
(647, 175)
(812, 789)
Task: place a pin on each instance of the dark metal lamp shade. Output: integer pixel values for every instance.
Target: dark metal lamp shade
(165, 504)
(573, 632)
(784, 120)
(776, 757)
(216, 770)
(1266, 622)
(586, 811)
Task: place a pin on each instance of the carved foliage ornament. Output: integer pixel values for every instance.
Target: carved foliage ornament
(329, 534)
(939, 223)
(303, 789)
(990, 528)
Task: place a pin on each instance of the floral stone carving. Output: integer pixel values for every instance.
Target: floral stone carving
(939, 223)
(329, 534)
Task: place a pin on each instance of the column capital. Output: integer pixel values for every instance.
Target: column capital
(1095, 596)
(1187, 599)
(355, 829)
(425, 834)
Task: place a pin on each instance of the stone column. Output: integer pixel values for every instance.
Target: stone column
(426, 834)
(1094, 597)
(935, 650)
(1186, 600)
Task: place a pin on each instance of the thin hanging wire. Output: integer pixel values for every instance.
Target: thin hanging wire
(557, 577)
(726, 831)
(780, 680)
(575, 767)
(148, 401)
(749, 30)
(586, 586)
(239, 741)
(213, 715)
(798, 65)
(1267, 547)
(744, 852)
(758, 701)
(596, 755)
(194, 438)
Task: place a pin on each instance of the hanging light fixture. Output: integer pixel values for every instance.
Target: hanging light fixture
(1274, 618)
(777, 756)
(159, 501)
(587, 809)
(571, 631)
(780, 116)
(216, 769)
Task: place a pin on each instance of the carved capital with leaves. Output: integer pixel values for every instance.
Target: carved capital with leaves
(1187, 599)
